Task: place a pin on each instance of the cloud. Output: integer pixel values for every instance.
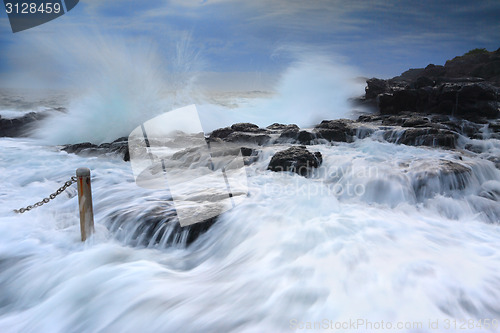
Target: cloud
(244, 35)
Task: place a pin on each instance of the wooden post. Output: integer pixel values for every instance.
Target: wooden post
(85, 203)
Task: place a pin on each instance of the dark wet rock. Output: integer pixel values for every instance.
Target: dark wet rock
(241, 132)
(429, 137)
(156, 227)
(295, 159)
(425, 136)
(282, 127)
(368, 118)
(118, 147)
(79, 147)
(375, 87)
(245, 151)
(242, 137)
(401, 100)
(459, 99)
(415, 121)
(289, 133)
(423, 81)
(475, 148)
(339, 130)
(221, 133)
(246, 127)
(293, 135)
(305, 137)
(20, 127)
(394, 120)
(250, 155)
(439, 118)
(484, 65)
(496, 160)
(465, 127)
(362, 132)
(494, 126)
(430, 177)
(467, 86)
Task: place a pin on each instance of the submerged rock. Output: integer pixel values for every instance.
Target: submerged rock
(430, 177)
(295, 159)
(19, 127)
(158, 227)
(118, 147)
(425, 136)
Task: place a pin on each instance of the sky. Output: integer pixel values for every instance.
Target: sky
(252, 39)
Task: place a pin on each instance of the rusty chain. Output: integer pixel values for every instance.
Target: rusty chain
(67, 184)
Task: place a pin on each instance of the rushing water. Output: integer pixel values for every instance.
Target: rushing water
(381, 232)
(357, 240)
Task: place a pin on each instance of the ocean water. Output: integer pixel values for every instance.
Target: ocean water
(381, 237)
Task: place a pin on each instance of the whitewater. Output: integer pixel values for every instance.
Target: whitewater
(368, 237)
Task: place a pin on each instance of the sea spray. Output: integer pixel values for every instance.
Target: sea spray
(313, 87)
(300, 253)
(114, 83)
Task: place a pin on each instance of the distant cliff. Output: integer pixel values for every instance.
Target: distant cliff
(467, 86)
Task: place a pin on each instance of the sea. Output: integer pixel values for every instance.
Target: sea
(379, 238)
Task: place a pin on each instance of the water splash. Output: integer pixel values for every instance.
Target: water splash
(312, 88)
(115, 84)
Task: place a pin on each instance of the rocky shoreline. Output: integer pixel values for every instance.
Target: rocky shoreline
(453, 107)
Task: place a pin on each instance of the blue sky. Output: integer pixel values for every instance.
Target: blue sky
(380, 38)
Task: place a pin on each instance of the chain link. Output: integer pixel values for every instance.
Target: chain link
(60, 190)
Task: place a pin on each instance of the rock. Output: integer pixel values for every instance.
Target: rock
(221, 133)
(415, 121)
(423, 81)
(494, 126)
(246, 127)
(375, 87)
(305, 137)
(282, 127)
(79, 147)
(368, 118)
(250, 155)
(459, 99)
(295, 159)
(339, 130)
(159, 225)
(480, 90)
(19, 127)
(425, 136)
(496, 160)
(434, 71)
(241, 137)
(485, 65)
(430, 177)
(245, 151)
(410, 75)
(467, 86)
(288, 134)
(118, 147)
(241, 132)
(295, 136)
